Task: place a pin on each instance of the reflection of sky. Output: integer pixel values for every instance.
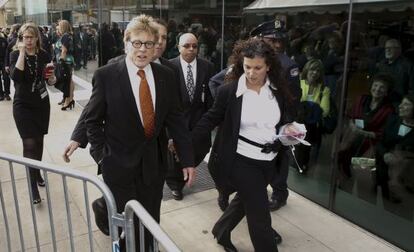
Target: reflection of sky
(35, 7)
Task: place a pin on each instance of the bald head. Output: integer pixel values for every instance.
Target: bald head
(188, 47)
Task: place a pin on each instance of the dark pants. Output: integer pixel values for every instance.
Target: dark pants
(149, 196)
(279, 181)
(6, 82)
(250, 178)
(175, 176)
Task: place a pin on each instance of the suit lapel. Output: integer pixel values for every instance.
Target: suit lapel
(200, 76)
(183, 87)
(126, 90)
(159, 90)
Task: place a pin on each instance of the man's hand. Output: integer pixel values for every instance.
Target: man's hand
(72, 146)
(171, 147)
(189, 175)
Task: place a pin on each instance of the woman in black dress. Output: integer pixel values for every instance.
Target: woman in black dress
(31, 107)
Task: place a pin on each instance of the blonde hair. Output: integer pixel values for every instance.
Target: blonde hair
(64, 27)
(141, 23)
(33, 30)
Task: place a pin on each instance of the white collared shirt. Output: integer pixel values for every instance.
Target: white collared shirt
(157, 60)
(184, 67)
(259, 115)
(136, 80)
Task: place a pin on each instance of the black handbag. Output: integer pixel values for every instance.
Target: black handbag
(62, 73)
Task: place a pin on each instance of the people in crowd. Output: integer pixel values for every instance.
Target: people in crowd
(31, 106)
(196, 99)
(106, 45)
(122, 116)
(81, 41)
(254, 84)
(395, 152)
(366, 123)
(5, 85)
(315, 105)
(399, 67)
(64, 50)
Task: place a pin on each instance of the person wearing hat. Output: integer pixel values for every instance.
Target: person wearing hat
(274, 33)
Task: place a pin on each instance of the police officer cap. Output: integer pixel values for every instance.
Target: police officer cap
(271, 29)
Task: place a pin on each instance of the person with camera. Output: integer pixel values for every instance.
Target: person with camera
(30, 70)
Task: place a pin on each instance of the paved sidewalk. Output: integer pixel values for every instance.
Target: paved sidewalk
(303, 225)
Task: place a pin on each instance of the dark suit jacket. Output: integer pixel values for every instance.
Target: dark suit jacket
(115, 131)
(79, 133)
(226, 112)
(201, 102)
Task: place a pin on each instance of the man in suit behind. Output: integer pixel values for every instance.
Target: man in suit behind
(124, 122)
(196, 99)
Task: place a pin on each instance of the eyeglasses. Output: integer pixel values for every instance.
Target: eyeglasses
(28, 37)
(148, 44)
(187, 46)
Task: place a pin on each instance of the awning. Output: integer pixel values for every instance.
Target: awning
(324, 6)
(3, 2)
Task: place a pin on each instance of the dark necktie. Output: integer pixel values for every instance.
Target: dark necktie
(190, 82)
(147, 108)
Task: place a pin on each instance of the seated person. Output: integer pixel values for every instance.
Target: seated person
(395, 153)
(366, 122)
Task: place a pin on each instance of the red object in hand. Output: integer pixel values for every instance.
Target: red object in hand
(48, 71)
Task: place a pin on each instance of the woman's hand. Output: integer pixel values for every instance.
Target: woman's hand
(21, 46)
(291, 130)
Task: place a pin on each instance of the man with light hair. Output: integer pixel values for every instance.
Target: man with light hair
(400, 68)
(125, 122)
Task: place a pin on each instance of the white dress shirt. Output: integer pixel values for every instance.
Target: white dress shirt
(259, 115)
(136, 80)
(184, 67)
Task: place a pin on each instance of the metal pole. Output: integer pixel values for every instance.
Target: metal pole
(222, 34)
(332, 191)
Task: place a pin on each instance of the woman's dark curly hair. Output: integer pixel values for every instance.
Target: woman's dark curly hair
(256, 47)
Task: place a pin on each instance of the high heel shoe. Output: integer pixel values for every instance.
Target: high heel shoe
(61, 102)
(69, 106)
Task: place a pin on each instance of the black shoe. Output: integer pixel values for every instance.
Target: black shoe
(276, 204)
(277, 236)
(1, 98)
(223, 201)
(177, 194)
(225, 241)
(69, 106)
(101, 215)
(37, 201)
(41, 182)
(7, 97)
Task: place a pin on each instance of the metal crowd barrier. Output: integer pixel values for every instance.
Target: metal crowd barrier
(125, 221)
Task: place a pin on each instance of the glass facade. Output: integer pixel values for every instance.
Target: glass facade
(361, 161)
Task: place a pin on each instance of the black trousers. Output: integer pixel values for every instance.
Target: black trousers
(175, 176)
(6, 82)
(279, 181)
(250, 179)
(149, 196)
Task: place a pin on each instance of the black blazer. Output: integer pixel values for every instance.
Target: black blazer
(201, 102)
(115, 131)
(79, 132)
(226, 112)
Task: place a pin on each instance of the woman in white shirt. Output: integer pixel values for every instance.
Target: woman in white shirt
(253, 109)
